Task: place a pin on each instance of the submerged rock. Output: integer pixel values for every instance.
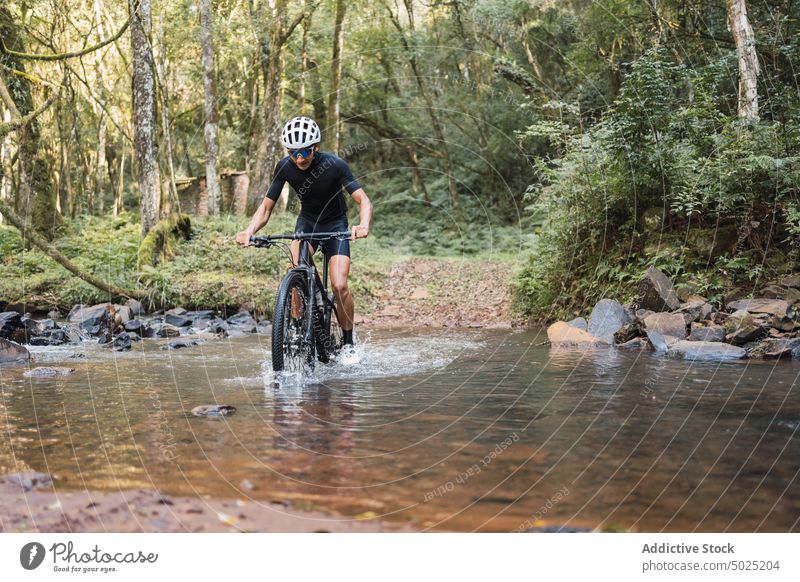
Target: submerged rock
(180, 344)
(637, 343)
(27, 481)
(48, 372)
(607, 317)
(213, 410)
(705, 351)
(562, 334)
(656, 292)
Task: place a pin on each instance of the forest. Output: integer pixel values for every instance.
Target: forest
(580, 140)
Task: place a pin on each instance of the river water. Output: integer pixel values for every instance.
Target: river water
(445, 430)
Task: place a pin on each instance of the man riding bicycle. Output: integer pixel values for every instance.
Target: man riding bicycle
(318, 178)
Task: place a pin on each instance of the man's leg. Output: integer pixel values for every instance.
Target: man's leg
(339, 271)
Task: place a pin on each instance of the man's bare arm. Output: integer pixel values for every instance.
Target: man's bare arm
(259, 221)
(361, 230)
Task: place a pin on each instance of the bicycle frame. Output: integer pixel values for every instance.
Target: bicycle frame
(305, 265)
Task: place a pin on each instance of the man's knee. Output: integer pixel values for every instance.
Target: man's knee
(340, 287)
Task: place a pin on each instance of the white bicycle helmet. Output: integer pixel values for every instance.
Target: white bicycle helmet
(300, 132)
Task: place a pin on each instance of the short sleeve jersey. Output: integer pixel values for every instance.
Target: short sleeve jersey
(320, 187)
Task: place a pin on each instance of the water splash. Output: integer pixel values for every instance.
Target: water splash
(399, 355)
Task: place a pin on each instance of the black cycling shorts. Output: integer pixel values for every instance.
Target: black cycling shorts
(332, 246)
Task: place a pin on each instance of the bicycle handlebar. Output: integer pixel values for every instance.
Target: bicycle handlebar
(266, 241)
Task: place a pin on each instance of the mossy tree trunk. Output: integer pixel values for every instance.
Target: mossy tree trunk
(36, 195)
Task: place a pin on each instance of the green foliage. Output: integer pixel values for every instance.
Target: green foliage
(663, 143)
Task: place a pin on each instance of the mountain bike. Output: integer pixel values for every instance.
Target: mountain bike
(305, 325)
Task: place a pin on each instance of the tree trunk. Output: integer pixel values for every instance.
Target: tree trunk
(101, 165)
(144, 121)
(210, 108)
(5, 164)
(748, 60)
(271, 45)
(36, 193)
(438, 132)
(334, 122)
(171, 204)
(118, 198)
(309, 11)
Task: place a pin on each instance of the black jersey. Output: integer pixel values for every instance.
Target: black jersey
(319, 187)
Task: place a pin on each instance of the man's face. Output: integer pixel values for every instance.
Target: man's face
(303, 162)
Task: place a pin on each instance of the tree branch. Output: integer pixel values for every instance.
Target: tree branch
(6, 128)
(64, 56)
(39, 241)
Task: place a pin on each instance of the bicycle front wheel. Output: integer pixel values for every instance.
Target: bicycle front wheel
(290, 350)
(329, 336)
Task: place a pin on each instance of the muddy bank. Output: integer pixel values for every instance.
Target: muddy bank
(143, 510)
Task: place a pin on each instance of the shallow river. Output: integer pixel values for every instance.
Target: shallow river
(448, 430)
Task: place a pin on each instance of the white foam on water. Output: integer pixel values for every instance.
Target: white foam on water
(385, 357)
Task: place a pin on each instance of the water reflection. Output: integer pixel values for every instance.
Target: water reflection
(417, 433)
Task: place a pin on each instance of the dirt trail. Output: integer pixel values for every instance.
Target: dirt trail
(442, 293)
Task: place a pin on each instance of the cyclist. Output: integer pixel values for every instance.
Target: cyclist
(318, 178)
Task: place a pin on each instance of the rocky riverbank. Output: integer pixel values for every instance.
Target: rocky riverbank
(657, 319)
(118, 327)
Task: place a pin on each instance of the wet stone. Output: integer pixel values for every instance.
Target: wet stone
(705, 351)
(27, 481)
(177, 320)
(777, 307)
(48, 372)
(180, 344)
(607, 317)
(213, 410)
(242, 319)
(638, 343)
(53, 337)
(134, 326)
(670, 325)
(579, 323)
(11, 352)
(707, 333)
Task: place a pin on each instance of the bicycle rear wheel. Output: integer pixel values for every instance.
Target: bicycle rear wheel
(290, 350)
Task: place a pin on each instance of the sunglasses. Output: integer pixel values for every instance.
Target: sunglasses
(303, 153)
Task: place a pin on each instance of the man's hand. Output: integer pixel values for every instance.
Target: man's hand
(360, 231)
(243, 238)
